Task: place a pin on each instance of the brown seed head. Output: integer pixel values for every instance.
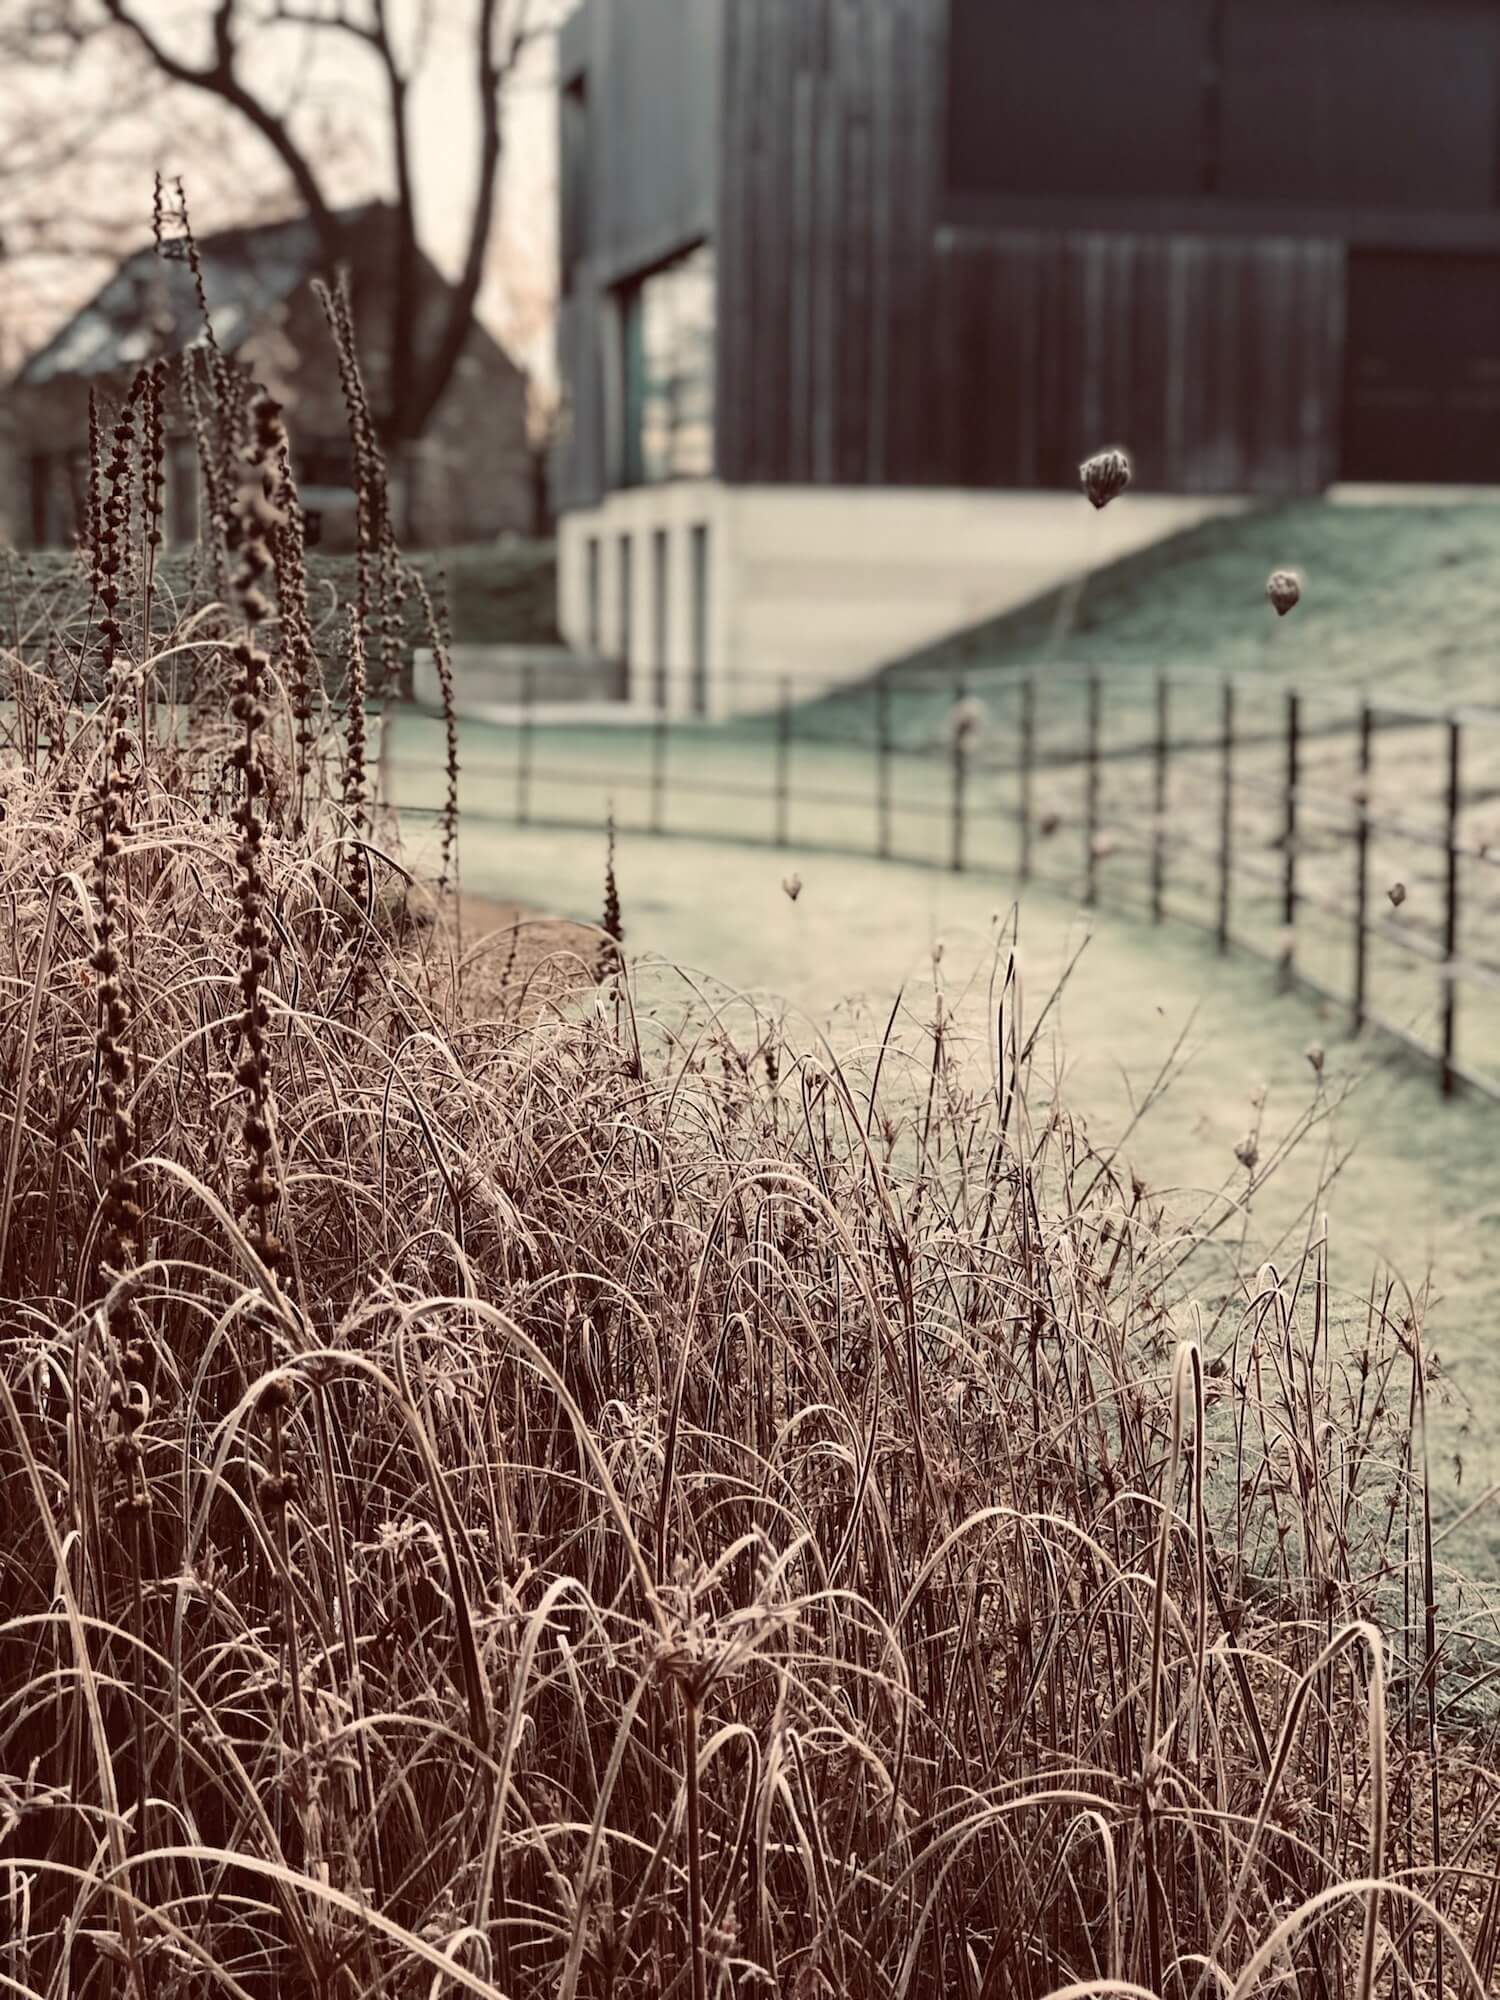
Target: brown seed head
(1105, 476)
(1284, 588)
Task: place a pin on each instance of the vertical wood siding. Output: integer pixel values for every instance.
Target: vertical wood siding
(863, 342)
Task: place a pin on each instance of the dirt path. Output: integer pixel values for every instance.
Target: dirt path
(516, 959)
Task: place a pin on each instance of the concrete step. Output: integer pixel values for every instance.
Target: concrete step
(506, 676)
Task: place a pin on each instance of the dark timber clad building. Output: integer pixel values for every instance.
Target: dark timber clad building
(845, 281)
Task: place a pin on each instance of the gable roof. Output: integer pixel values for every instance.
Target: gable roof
(150, 307)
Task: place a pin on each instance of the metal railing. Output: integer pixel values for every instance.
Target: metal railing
(1341, 838)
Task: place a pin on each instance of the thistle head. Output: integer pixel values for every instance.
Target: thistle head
(1105, 476)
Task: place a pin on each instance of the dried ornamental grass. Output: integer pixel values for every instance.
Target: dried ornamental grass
(634, 1510)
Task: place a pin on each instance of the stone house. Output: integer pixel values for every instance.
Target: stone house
(471, 477)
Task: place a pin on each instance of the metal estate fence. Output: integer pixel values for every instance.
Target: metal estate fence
(1353, 843)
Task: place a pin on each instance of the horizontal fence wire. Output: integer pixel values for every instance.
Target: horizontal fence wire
(1351, 842)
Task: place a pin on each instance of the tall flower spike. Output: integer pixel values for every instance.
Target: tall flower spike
(370, 509)
(153, 479)
(299, 653)
(437, 638)
(610, 958)
(121, 1213)
(254, 520)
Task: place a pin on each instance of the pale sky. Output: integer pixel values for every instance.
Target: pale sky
(336, 89)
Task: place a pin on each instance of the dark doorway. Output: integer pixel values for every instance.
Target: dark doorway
(1422, 369)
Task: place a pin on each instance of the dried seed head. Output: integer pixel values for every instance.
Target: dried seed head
(278, 1489)
(1284, 588)
(1247, 1152)
(1105, 476)
(1397, 894)
(792, 884)
(277, 1394)
(966, 721)
(1316, 1057)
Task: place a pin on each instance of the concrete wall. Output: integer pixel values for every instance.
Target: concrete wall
(823, 584)
(636, 516)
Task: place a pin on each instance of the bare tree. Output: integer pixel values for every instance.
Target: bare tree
(223, 51)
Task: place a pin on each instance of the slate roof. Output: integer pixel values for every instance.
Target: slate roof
(149, 306)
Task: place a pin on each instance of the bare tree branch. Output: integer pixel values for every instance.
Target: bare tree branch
(299, 17)
(221, 80)
(401, 380)
(491, 71)
(225, 68)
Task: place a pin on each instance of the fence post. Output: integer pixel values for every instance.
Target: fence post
(1450, 924)
(883, 767)
(524, 748)
(1226, 814)
(783, 759)
(1362, 867)
(1159, 802)
(1091, 795)
(960, 774)
(1028, 763)
(658, 757)
(1289, 834)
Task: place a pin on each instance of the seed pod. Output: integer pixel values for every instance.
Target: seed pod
(1284, 588)
(1397, 894)
(1105, 476)
(277, 1489)
(965, 722)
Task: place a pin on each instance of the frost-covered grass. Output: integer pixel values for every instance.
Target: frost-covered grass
(1398, 599)
(1402, 1176)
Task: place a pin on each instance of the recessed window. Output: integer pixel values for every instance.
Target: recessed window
(700, 620)
(626, 601)
(182, 490)
(667, 321)
(592, 587)
(327, 462)
(662, 611)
